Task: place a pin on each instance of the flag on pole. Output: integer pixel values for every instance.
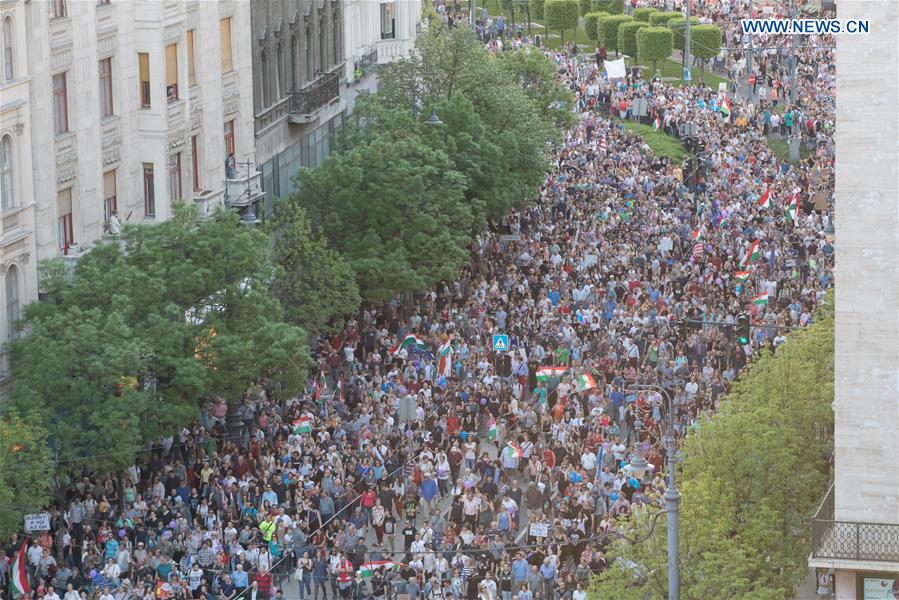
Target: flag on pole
(445, 359)
(765, 200)
(319, 387)
(492, 431)
(302, 425)
(514, 447)
(698, 249)
(742, 276)
(657, 124)
(761, 299)
(544, 373)
(725, 109)
(410, 343)
(585, 382)
(792, 212)
(752, 254)
(697, 235)
(18, 576)
(368, 569)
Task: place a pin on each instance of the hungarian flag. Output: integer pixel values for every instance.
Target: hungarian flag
(368, 569)
(761, 299)
(697, 235)
(515, 448)
(302, 425)
(585, 382)
(492, 432)
(752, 254)
(602, 143)
(792, 212)
(657, 124)
(319, 387)
(445, 359)
(410, 343)
(742, 276)
(18, 577)
(725, 109)
(340, 388)
(765, 200)
(544, 373)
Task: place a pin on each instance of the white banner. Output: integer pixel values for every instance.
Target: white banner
(539, 530)
(37, 522)
(616, 68)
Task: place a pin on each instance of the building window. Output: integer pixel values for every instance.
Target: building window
(229, 138)
(106, 88)
(8, 70)
(12, 302)
(322, 46)
(335, 37)
(279, 57)
(225, 31)
(318, 145)
(64, 222)
(171, 72)
(387, 21)
(60, 105)
(191, 67)
(7, 189)
(149, 191)
(110, 206)
(175, 192)
(57, 9)
(195, 160)
(143, 61)
(307, 52)
(264, 80)
(103, 2)
(294, 63)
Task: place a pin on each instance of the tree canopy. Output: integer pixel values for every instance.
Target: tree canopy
(26, 469)
(122, 349)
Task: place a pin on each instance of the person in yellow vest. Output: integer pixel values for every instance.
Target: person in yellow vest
(267, 529)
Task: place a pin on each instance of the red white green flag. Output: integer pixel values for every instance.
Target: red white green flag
(544, 373)
(752, 254)
(697, 235)
(585, 382)
(302, 425)
(761, 299)
(725, 109)
(410, 343)
(368, 569)
(340, 388)
(492, 431)
(742, 276)
(765, 200)
(18, 576)
(445, 359)
(792, 212)
(514, 447)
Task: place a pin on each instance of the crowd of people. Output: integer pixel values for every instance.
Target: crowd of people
(422, 461)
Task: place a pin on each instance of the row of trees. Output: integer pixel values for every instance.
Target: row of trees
(751, 478)
(125, 343)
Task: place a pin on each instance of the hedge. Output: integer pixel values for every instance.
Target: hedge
(536, 8)
(677, 26)
(706, 41)
(585, 6)
(613, 7)
(653, 44)
(642, 14)
(658, 19)
(561, 15)
(627, 37)
(608, 30)
(591, 20)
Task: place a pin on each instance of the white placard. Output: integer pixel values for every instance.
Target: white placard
(539, 530)
(616, 68)
(37, 522)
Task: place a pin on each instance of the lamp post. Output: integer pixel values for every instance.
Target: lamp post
(672, 496)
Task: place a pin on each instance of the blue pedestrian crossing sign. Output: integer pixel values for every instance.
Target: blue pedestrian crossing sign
(500, 342)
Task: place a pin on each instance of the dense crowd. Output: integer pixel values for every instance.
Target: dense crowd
(424, 462)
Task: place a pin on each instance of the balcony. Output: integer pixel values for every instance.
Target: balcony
(850, 541)
(244, 189)
(303, 105)
(207, 202)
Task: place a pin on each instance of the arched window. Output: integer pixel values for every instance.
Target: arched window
(6, 174)
(323, 44)
(12, 302)
(8, 71)
(266, 96)
(307, 52)
(294, 63)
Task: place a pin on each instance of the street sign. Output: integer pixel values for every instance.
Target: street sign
(752, 79)
(500, 342)
(37, 522)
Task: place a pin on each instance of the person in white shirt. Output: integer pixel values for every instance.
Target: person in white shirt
(588, 461)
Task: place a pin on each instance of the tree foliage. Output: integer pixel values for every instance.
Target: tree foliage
(591, 21)
(585, 6)
(536, 8)
(627, 37)
(122, 349)
(658, 19)
(608, 30)
(26, 469)
(678, 26)
(706, 41)
(654, 44)
(536, 75)
(613, 7)
(750, 480)
(314, 283)
(560, 15)
(642, 14)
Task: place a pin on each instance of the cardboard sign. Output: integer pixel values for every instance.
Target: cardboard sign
(539, 530)
(37, 522)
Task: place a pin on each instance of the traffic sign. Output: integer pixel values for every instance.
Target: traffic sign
(752, 79)
(500, 342)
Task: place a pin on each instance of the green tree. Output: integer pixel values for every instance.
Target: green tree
(585, 6)
(536, 8)
(678, 26)
(751, 478)
(627, 37)
(315, 284)
(706, 43)
(655, 44)
(121, 350)
(26, 469)
(642, 14)
(536, 75)
(591, 20)
(613, 7)
(658, 19)
(561, 15)
(608, 30)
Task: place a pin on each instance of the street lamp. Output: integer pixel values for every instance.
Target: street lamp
(672, 495)
(433, 119)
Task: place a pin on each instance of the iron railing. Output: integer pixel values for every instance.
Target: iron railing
(851, 540)
(319, 93)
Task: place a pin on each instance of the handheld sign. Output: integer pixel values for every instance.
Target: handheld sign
(500, 342)
(37, 522)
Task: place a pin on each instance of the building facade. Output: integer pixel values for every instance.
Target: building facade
(856, 530)
(377, 33)
(298, 87)
(118, 107)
